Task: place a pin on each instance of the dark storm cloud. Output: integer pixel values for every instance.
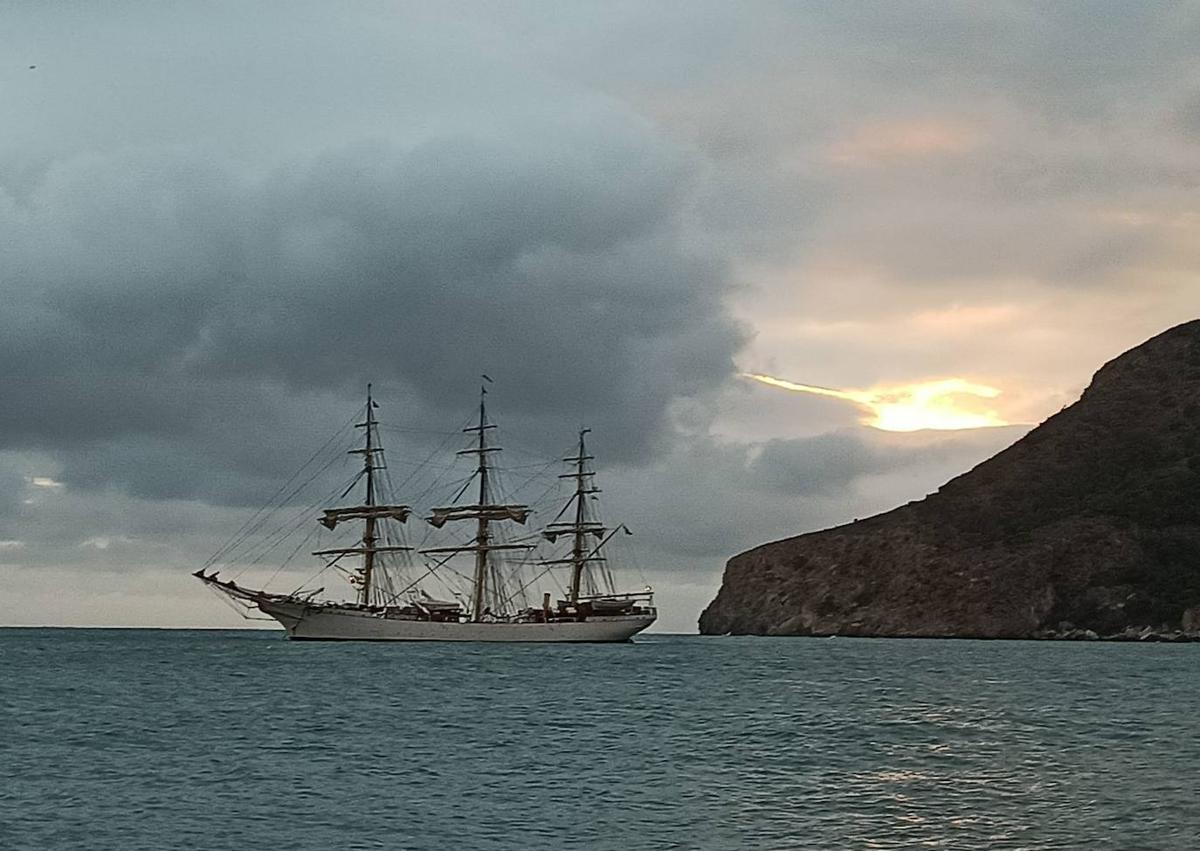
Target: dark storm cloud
(552, 262)
(563, 280)
(159, 297)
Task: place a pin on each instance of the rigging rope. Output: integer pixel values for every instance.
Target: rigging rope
(242, 529)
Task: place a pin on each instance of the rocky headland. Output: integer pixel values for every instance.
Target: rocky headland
(1086, 528)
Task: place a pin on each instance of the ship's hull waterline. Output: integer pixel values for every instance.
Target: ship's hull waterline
(305, 623)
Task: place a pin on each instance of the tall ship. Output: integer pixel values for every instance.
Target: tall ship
(483, 587)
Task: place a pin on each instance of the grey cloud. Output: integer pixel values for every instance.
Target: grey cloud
(824, 464)
(156, 292)
(710, 498)
(828, 464)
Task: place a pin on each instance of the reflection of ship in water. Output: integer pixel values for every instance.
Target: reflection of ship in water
(490, 600)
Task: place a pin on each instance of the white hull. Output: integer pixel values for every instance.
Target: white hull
(330, 624)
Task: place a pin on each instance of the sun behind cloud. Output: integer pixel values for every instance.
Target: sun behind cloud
(943, 405)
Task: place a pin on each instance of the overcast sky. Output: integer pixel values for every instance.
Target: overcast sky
(218, 221)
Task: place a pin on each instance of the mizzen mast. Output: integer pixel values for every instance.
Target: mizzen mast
(483, 537)
(583, 488)
(583, 524)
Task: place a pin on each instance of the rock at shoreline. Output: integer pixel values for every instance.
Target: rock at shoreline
(1086, 528)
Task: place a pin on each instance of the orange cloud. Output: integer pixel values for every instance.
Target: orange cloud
(879, 143)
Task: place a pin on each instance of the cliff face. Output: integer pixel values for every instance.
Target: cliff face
(1090, 524)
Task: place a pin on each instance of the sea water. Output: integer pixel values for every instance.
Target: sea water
(140, 739)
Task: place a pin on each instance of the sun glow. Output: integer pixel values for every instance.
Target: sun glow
(941, 405)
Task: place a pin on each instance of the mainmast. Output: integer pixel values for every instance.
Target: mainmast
(484, 512)
(369, 467)
(370, 511)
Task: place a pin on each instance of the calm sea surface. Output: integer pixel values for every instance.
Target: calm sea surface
(127, 739)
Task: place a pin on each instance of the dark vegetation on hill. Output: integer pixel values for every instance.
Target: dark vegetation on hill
(1088, 526)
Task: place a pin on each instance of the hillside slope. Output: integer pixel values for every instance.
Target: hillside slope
(1087, 526)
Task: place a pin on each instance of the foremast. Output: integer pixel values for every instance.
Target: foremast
(370, 511)
(484, 512)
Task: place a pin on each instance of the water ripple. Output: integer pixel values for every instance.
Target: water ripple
(213, 740)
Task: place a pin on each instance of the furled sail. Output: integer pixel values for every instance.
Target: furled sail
(555, 530)
(442, 516)
(334, 516)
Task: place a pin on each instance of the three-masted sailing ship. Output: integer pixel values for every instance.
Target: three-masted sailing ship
(491, 601)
